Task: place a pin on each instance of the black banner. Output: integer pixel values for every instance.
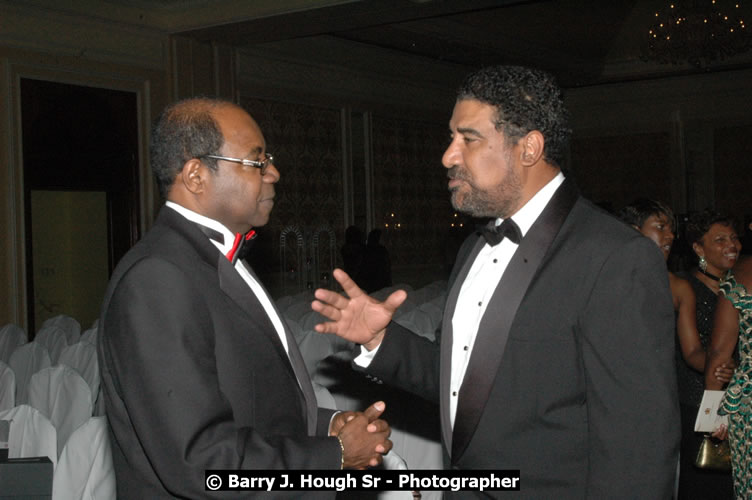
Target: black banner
(347, 480)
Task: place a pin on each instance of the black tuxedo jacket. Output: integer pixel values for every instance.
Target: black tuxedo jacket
(571, 378)
(194, 374)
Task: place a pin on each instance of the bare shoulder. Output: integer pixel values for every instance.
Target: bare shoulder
(680, 288)
(743, 271)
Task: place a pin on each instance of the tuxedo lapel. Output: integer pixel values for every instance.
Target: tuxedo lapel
(235, 287)
(495, 325)
(232, 284)
(298, 366)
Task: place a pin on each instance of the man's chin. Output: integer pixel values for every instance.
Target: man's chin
(260, 220)
(456, 202)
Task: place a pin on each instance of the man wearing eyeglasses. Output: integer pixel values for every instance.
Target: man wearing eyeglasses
(198, 368)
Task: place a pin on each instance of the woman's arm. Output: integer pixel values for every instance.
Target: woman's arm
(686, 325)
(722, 341)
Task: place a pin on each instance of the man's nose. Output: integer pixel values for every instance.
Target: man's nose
(272, 174)
(451, 155)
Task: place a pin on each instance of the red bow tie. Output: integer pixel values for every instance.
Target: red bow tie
(241, 246)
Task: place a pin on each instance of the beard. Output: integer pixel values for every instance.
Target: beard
(500, 201)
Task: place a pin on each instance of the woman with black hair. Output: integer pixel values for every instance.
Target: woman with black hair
(694, 303)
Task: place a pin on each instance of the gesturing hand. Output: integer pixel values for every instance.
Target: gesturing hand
(359, 318)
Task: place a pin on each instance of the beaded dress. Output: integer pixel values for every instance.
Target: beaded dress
(694, 483)
(737, 402)
(691, 382)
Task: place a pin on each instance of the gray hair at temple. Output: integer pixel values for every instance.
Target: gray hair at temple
(525, 99)
(186, 129)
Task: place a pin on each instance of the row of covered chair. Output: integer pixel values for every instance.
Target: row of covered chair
(55, 334)
(84, 467)
(32, 357)
(61, 363)
(48, 390)
(328, 358)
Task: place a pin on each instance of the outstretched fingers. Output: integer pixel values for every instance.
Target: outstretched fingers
(348, 285)
(395, 300)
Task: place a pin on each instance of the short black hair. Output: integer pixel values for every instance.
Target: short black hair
(640, 210)
(699, 224)
(525, 99)
(186, 129)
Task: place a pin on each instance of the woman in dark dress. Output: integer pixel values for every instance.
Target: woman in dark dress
(715, 242)
(656, 221)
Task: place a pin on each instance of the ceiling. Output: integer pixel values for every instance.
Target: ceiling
(581, 41)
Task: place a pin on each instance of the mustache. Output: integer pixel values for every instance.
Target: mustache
(456, 172)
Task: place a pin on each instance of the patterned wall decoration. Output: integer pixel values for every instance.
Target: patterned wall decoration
(733, 177)
(411, 201)
(307, 147)
(613, 171)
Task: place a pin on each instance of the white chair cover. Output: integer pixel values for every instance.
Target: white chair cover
(53, 338)
(85, 470)
(31, 434)
(89, 336)
(7, 387)
(299, 307)
(11, 338)
(25, 362)
(284, 302)
(392, 461)
(432, 291)
(64, 397)
(324, 398)
(82, 356)
(311, 319)
(99, 410)
(69, 325)
(386, 292)
(435, 312)
(418, 453)
(419, 322)
(315, 347)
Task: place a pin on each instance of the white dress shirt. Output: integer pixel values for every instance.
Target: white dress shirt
(477, 289)
(225, 247)
(480, 284)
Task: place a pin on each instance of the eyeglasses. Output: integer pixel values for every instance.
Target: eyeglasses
(262, 164)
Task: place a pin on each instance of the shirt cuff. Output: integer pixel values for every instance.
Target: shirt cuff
(365, 357)
(332, 420)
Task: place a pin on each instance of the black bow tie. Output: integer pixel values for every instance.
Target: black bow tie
(507, 229)
(240, 248)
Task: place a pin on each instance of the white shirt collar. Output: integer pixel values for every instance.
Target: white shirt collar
(528, 214)
(206, 221)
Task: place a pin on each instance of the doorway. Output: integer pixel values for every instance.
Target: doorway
(80, 171)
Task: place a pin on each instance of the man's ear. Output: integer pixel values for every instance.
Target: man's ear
(192, 177)
(532, 148)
